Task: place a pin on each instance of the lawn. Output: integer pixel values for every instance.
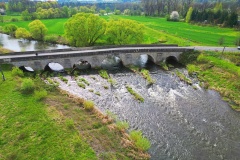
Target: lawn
(158, 29)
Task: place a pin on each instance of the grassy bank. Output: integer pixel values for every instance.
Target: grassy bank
(158, 29)
(54, 126)
(220, 72)
(4, 50)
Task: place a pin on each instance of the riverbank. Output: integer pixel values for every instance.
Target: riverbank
(218, 71)
(38, 125)
(4, 50)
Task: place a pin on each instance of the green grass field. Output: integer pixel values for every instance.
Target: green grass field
(158, 29)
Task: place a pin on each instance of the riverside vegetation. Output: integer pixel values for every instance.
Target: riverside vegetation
(218, 71)
(38, 121)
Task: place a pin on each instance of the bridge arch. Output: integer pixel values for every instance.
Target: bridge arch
(112, 62)
(144, 59)
(172, 60)
(82, 64)
(54, 66)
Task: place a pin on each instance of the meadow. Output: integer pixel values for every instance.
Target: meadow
(158, 30)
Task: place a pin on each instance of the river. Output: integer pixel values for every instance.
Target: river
(20, 45)
(181, 121)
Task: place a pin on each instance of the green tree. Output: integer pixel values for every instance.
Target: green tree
(37, 29)
(26, 15)
(102, 12)
(108, 10)
(22, 33)
(10, 29)
(189, 14)
(84, 29)
(125, 31)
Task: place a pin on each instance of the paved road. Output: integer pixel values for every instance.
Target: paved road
(207, 48)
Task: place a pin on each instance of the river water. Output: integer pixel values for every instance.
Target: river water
(181, 121)
(20, 45)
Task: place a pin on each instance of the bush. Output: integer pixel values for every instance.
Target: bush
(122, 125)
(27, 86)
(41, 94)
(141, 142)
(17, 72)
(174, 16)
(188, 57)
(10, 29)
(51, 38)
(14, 20)
(88, 105)
(22, 33)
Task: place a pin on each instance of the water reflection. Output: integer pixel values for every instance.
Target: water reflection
(19, 45)
(112, 63)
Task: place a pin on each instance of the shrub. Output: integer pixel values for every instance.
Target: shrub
(41, 94)
(141, 142)
(10, 29)
(51, 38)
(14, 20)
(103, 74)
(88, 105)
(188, 57)
(174, 16)
(17, 72)
(122, 125)
(82, 85)
(22, 33)
(27, 86)
(191, 69)
(136, 95)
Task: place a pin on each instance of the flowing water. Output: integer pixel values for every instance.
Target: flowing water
(181, 121)
(19, 45)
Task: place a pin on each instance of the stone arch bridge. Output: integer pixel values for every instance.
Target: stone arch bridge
(95, 57)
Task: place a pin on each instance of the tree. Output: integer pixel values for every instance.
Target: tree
(37, 29)
(189, 15)
(102, 12)
(174, 16)
(22, 33)
(10, 29)
(84, 29)
(124, 31)
(108, 10)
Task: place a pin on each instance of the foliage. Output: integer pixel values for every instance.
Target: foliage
(135, 94)
(84, 29)
(141, 142)
(88, 105)
(17, 72)
(85, 81)
(183, 77)
(174, 16)
(183, 34)
(27, 86)
(188, 57)
(218, 71)
(40, 94)
(104, 74)
(189, 14)
(10, 29)
(37, 29)
(122, 125)
(51, 38)
(192, 69)
(22, 33)
(147, 76)
(82, 85)
(124, 31)
(98, 93)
